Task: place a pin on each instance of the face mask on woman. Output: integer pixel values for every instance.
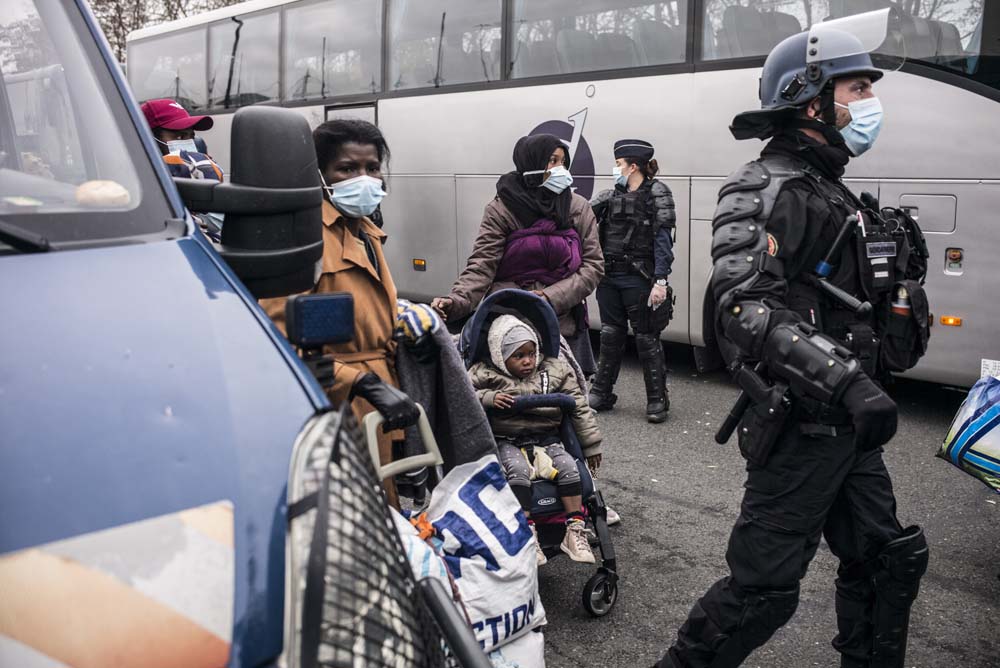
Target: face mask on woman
(866, 121)
(355, 197)
(620, 179)
(559, 179)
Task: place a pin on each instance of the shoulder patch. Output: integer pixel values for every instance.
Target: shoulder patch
(772, 244)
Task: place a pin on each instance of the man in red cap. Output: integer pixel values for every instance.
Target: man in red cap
(173, 128)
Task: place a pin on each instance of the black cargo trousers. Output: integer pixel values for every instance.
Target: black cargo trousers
(813, 484)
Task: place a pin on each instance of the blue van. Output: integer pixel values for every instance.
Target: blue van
(152, 419)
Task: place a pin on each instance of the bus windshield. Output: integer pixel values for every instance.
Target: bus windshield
(61, 149)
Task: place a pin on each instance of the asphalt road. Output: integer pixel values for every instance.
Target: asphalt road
(679, 492)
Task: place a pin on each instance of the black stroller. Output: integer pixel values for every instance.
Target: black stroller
(601, 591)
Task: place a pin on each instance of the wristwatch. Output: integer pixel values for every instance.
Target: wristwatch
(661, 281)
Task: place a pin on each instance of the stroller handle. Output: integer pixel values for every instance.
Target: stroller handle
(372, 421)
(527, 402)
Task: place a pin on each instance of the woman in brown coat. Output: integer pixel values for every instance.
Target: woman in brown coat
(536, 208)
(350, 155)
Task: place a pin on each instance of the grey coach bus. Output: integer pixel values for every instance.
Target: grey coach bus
(453, 83)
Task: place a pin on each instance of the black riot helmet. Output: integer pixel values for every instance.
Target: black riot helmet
(805, 66)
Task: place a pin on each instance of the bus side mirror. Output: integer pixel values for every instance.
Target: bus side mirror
(272, 236)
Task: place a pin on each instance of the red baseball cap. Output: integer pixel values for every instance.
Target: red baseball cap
(171, 115)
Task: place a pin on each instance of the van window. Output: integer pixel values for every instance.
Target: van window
(566, 36)
(333, 48)
(243, 60)
(170, 66)
(443, 42)
(60, 146)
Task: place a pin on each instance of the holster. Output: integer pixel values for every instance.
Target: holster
(758, 431)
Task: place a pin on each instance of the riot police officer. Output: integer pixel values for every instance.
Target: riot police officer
(636, 225)
(804, 278)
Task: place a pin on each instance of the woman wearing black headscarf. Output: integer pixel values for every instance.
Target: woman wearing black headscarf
(538, 235)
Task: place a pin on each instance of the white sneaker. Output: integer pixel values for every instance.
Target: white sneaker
(613, 517)
(540, 558)
(575, 543)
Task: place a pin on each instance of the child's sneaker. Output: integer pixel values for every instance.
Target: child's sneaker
(575, 543)
(540, 558)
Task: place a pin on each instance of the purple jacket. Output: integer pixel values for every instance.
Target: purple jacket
(544, 254)
(480, 275)
(541, 253)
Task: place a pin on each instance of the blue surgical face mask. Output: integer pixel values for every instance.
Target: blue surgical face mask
(620, 178)
(866, 121)
(559, 179)
(178, 145)
(355, 197)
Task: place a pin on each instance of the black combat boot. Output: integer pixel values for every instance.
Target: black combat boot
(601, 397)
(654, 373)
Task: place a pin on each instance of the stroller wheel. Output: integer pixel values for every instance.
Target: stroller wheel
(600, 594)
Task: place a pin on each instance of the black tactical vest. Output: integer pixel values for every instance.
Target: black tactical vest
(864, 268)
(630, 226)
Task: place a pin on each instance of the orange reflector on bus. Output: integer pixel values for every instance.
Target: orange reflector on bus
(951, 321)
(419, 264)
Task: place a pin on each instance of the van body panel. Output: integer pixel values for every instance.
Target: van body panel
(136, 382)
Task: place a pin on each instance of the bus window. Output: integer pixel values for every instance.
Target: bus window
(443, 42)
(942, 34)
(243, 60)
(332, 48)
(735, 31)
(171, 65)
(581, 36)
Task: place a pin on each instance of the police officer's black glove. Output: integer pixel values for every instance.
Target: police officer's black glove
(398, 409)
(872, 411)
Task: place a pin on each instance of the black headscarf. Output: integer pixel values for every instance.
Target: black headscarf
(530, 202)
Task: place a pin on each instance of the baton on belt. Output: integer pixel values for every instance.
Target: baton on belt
(820, 278)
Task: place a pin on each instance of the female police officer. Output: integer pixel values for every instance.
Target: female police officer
(636, 223)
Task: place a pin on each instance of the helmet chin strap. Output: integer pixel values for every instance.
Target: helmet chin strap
(826, 122)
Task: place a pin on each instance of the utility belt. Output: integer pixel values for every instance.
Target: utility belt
(813, 411)
(627, 264)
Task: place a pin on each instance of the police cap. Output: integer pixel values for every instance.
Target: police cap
(633, 148)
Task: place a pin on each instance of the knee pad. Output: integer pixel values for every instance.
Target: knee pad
(613, 333)
(901, 565)
(765, 612)
(648, 345)
(898, 569)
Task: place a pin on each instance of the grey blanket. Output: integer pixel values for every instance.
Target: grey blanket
(443, 388)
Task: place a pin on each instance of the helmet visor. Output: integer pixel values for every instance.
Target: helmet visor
(880, 33)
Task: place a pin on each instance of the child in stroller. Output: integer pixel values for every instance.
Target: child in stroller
(529, 441)
(600, 593)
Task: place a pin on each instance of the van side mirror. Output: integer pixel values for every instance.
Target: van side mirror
(272, 236)
(313, 321)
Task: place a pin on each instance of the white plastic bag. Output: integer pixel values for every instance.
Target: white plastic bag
(489, 551)
(527, 651)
